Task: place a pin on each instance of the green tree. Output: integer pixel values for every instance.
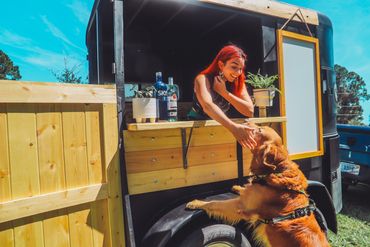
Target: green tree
(351, 89)
(7, 69)
(68, 74)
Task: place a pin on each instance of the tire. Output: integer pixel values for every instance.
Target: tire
(216, 235)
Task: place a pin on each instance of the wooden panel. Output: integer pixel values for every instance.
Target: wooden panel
(152, 160)
(196, 124)
(99, 209)
(93, 138)
(56, 229)
(247, 158)
(272, 8)
(75, 153)
(47, 202)
(171, 138)
(179, 177)
(52, 174)
(24, 180)
(33, 92)
(111, 161)
(152, 140)
(6, 230)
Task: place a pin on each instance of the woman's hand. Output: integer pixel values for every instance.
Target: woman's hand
(244, 135)
(219, 86)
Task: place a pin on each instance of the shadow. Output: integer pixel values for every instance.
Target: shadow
(356, 203)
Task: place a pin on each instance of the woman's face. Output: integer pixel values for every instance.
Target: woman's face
(232, 69)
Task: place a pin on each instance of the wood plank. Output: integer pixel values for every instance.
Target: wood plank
(247, 159)
(75, 154)
(152, 140)
(171, 138)
(112, 163)
(38, 204)
(24, 169)
(6, 230)
(178, 177)
(52, 172)
(154, 160)
(196, 124)
(56, 228)
(271, 8)
(99, 209)
(5, 190)
(80, 225)
(75, 150)
(93, 138)
(33, 92)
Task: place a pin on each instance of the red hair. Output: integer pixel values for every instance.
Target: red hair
(225, 54)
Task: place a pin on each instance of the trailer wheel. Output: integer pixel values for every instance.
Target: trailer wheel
(217, 235)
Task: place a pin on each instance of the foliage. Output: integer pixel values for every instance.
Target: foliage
(148, 92)
(351, 89)
(7, 69)
(68, 74)
(262, 81)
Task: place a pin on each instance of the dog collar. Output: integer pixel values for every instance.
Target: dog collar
(298, 213)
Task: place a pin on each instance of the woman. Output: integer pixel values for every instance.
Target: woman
(220, 85)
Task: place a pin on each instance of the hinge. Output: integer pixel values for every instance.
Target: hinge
(113, 68)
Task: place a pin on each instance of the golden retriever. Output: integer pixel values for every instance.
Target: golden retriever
(268, 201)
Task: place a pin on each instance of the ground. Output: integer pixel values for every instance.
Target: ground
(354, 219)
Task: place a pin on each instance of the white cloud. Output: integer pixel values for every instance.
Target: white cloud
(55, 31)
(13, 39)
(80, 10)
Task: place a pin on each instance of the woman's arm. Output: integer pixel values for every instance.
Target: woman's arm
(243, 103)
(242, 133)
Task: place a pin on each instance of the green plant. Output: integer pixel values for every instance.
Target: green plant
(259, 81)
(148, 92)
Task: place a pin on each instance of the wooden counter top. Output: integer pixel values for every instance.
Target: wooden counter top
(197, 124)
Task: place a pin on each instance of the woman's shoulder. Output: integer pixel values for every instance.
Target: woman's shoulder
(202, 78)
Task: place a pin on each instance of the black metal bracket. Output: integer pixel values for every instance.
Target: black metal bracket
(185, 146)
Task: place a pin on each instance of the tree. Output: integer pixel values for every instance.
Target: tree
(7, 69)
(351, 89)
(68, 75)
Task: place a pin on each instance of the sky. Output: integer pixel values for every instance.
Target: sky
(40, 36)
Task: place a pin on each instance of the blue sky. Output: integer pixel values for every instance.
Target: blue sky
(38, 35)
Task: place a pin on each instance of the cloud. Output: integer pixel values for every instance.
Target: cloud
(56, 32)
(80, 10)
(13, 39)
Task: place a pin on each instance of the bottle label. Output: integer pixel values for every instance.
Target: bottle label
(172, 102)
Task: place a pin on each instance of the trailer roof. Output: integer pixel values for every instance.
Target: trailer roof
(264, 7)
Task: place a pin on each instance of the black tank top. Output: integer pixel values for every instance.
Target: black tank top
(197, 111)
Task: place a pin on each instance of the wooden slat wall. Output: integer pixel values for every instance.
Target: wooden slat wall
(67, 148)
(154, 158)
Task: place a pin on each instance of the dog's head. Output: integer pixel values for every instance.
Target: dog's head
(269, 151)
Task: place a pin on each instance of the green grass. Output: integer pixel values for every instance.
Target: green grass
(354, 219)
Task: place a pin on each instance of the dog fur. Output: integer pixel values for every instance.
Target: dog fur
(276, 197)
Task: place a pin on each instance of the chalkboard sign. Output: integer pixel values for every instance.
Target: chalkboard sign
(299, 77)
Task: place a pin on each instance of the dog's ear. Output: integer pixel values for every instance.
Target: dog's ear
(269, 156)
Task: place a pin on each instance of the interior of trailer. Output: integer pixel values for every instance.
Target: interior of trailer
(180, 39)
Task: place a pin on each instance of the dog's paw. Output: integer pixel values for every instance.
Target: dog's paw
(195, 204)
(237, 188)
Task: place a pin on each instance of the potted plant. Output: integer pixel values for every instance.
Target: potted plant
(144, 105)
(263, 90)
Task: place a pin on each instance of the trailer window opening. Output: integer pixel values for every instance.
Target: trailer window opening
(181, 39)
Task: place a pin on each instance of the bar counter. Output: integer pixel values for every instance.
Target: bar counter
(168, 155)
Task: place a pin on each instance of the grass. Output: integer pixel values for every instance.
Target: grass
(354, 219)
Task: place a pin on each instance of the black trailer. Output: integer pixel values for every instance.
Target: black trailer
(129, 40)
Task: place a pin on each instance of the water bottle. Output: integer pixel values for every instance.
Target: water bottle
(172, 97)
(161, 95)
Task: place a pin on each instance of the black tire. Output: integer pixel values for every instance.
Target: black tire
(216, 235)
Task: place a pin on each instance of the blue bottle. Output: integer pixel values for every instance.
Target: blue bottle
(161, 95)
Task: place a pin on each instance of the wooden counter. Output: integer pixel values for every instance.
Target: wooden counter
(168, 155)
(197, 124)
